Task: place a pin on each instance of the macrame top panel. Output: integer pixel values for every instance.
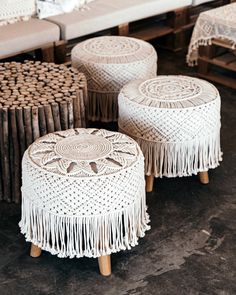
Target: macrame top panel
(169, 109)
(215, 23)
(84, 152)
(170, 92)
(113, 50)
(110, 62)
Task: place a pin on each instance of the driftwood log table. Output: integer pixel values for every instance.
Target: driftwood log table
(35, 99)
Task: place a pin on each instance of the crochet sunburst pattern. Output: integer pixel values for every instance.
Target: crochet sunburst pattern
(83, 193)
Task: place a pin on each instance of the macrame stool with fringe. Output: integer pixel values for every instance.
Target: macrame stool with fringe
(176, 122)
(83, 194)
(109, 62)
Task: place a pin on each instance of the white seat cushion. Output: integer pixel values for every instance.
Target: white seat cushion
(25, 35)
(198, 2)
(104, 14)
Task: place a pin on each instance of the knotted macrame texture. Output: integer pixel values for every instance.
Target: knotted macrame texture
(12, 11)
(83, 193)
(176, 122)
(109, 62)
(219, 23)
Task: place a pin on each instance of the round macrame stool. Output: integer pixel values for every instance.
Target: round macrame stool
(83, 194)
(176, 122)
(109, 62)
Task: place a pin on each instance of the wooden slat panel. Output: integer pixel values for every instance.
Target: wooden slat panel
(225, 59)
(214, 61)
(152, 32)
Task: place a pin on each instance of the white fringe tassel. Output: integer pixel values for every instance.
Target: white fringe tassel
(192, 56)
(14, 20)
(91, 236)
(181, 159)
(103, 106)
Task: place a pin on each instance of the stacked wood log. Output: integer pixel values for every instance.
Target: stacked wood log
(36, 98)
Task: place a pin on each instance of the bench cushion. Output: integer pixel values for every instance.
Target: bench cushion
(104, 14)
(198, 2)
(25, 35)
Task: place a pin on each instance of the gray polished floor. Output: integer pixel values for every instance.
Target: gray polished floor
(190, 249)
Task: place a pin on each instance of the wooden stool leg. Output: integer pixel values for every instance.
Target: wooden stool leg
(104, 263)
(35, 251)
(149, 183)
(203, 177)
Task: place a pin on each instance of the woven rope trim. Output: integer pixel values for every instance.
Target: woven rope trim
(181, 158)
(90, 236)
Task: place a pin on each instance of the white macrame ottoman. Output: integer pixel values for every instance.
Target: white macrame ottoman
(176, 122)
(109, 62)
(83, 194)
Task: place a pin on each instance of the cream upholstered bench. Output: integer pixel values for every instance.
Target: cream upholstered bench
(83, 194)
(107, 14)
(25, 36)
(176, 121)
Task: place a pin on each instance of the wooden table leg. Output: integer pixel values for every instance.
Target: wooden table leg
(104, 263)
(35, 251)
(203, 177)
(149, 183)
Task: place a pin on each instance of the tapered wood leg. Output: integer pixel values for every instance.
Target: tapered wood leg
(104, 263)
(35, 251)
(203, 177)
(149, 183)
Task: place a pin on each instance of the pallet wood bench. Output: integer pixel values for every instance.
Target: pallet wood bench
(35, 99)
(123, 16)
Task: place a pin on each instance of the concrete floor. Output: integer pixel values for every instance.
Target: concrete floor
(190, 248)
